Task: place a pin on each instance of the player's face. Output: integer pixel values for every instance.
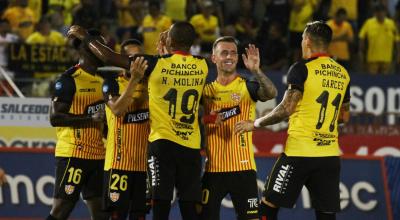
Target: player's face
(225, 57)
(131, 50)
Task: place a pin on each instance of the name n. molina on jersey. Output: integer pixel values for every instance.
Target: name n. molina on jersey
(175, 87)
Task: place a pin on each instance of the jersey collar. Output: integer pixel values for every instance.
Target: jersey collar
(315, 55)
(181, 52)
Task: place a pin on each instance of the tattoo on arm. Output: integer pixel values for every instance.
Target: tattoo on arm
(267, 88)
(344, 115)
(284, 109)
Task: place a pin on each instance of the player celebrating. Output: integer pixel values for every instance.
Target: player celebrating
(317, 97)
(235, 99)
(127, 114)
(78, 113)
(176, 83)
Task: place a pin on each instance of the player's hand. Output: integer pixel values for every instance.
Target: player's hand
(77, 32)
(99, 116)
(137, 69)
(244, 126)
(3, 179)
(219, 117)
(162, 43)
(252, 58)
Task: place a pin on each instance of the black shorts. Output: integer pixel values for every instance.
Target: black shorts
(321, 176)
(172, 165)
(242, 187)
(124, 191)
(75, 175)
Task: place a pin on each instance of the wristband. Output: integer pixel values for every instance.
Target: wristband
(209, 119)
(257, 123)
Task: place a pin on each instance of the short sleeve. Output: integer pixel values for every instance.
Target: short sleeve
(297, 75)
(110, 88)
(347, 94)
(64, 89)
(363, 31)
(253, 86)
(151, 62)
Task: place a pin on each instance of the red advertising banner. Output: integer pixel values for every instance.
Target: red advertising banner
(350, 144)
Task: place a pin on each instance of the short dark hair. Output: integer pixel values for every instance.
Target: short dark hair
(131, 42)
(379, 7)
(228, 39)
(319, 32)
(182, 34)
(155, 4)
(341, 11)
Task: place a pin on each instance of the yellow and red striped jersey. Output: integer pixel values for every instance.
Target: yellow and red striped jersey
(83, 91)
(127, 135)
(226, 151)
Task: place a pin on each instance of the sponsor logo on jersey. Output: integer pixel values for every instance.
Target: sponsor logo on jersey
(87, 90)
(228, 113)
(137, 116)
(69, 189)
(58, 85)
(95, 107)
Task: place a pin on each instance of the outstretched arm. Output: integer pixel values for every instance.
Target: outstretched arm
(278, 114)
(100, 50)
(119, 104)
(251, 60)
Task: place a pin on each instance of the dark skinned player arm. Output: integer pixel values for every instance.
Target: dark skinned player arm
(61, 103)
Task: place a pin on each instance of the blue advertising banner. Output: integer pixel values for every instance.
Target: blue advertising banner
(363, 190)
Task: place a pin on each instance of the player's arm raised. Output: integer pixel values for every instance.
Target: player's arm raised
(119, 104)
(251, 60)
(101, 51)
(278, 114)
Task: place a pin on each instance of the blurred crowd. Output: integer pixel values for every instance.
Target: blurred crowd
(365, 32)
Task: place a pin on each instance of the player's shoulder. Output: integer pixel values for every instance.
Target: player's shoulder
(71, 71)
(69, 74)
(300, 65)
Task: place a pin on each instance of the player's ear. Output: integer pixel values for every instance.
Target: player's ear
(213, 58)
(308, 41)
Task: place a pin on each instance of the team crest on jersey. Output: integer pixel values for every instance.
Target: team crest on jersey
(114, 196)
(235, 97)
(69, 189)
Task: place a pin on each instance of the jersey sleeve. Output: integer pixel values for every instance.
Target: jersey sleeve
(110, 89)
(296, 76)
(347, 94)
(64, 89)
(151, 62)
(253, 86)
